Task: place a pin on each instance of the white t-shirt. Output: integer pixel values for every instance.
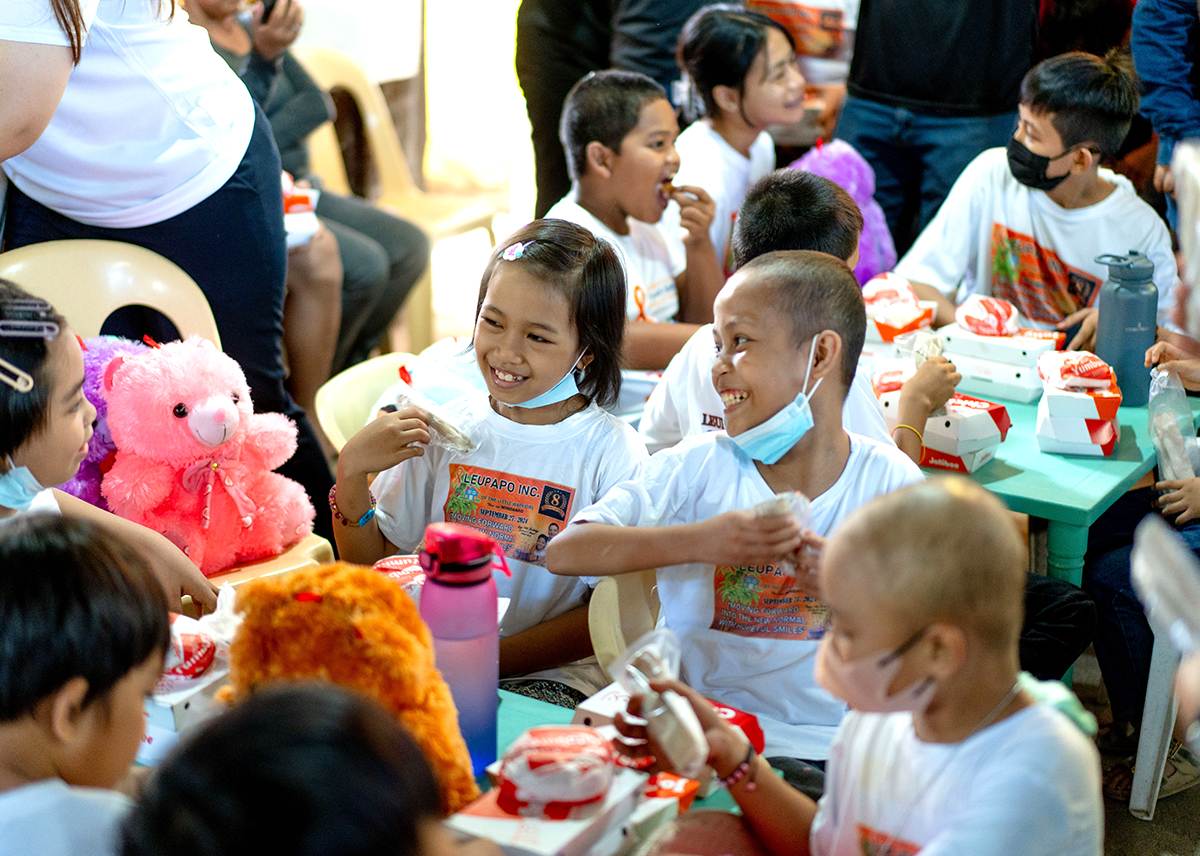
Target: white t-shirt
(651, 263)
(520, 481)
(51, 818)
(706, 160)
(685, 402)
(824, 32)
(44, 502)
(1029, 784)
(748, 640)
(152, 121)
(994, 236)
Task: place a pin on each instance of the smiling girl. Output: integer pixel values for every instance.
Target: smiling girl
(548, 334)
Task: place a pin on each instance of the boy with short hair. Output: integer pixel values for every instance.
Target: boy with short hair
(1026, 225)
(83, 633)
(619, 130)
(789, 328)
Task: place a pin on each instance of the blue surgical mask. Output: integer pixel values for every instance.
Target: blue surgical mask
(18, 487)
(561, 391)
(770, 440)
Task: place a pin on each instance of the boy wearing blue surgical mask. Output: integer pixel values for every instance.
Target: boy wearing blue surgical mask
(789, 329)
(1027, 223)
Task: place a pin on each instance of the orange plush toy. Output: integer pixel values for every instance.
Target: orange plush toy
(357, 628)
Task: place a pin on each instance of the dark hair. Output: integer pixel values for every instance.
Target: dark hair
(587, 272)
(304, 769)
(816, 292)
(75, 601)
(603, 107)
(1091, 100)
(718, 45)
(23, 414)
(790, 209)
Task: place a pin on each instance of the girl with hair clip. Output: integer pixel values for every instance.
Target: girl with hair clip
(742, 66)
(549, 328)
(45, 425)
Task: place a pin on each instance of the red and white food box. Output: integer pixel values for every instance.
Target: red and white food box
(1023, 349)
(996, 380)
(407, 571)
(299, 212)
(960, 437)
(893, 308)
(1074, 435)
(1083, 403)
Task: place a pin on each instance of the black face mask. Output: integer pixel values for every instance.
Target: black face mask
(1030, 169)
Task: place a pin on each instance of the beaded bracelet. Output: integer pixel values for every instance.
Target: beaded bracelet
(740, 771)
(337, 515)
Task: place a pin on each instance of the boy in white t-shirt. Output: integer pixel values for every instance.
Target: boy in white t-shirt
(619, 130)
(789, 326)
(945, 750)
(1027, 224)
(83, 631)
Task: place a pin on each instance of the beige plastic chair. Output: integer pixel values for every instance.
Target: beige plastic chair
(622, 608)
(86, 281)
(344, 401)
(440, 215)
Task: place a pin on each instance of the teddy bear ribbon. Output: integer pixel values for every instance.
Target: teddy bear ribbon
(199, 478)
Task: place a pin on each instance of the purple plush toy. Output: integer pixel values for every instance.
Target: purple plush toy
(840, 163)
(100, 350)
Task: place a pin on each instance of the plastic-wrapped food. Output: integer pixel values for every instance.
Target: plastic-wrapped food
(1074, 370)
(556, 772)
(987, 316)
(189, 656)
(1166, 577)
(446, 429)
(788, 502)
(887, 290)
(1170, 423)
(920, 345)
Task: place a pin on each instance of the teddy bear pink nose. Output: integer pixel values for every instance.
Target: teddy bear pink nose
(214, 420)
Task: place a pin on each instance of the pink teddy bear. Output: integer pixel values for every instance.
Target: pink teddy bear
(194, 461)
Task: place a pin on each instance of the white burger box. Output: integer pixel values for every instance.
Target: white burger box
(1083, 403)
(170, 714)
(1023, 349)
(1073, 435)
(962, 436)
(885, 326)
(998, 380)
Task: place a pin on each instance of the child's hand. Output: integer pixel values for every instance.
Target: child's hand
(931, 387)
(1087, 319)
(385, 442)
(1174, 359)
(807, 558)
(1182, 498)
(696, 212)
(744, 538)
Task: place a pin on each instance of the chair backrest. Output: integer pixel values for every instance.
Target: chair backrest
(622, 608)
(325, 160)
(87, 281)
(344, 401)
(331, 70)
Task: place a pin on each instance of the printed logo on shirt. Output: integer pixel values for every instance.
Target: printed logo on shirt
(874, 843)
(521, 514)
(1035, 280)
(816, 32)
(709, 422)
(761, 601)
(658, 301)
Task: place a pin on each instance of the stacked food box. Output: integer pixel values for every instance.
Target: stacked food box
(1078, 411)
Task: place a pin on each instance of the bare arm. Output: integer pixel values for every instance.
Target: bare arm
(944, 314)
(650, 344)
(702, 279)
(556, 642)
(176, 572)
(926, 391)
(32, 81)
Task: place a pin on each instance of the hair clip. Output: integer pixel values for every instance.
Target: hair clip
(82, 344)
(17, 378)
(150, 342)
(15, 329)
(515, 251)
(307, 597)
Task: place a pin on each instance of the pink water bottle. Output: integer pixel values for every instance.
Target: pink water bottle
(458, 602)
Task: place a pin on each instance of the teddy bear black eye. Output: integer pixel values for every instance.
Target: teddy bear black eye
(180, 410)
(236, 398)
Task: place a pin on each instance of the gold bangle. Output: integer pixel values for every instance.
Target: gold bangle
(920, 438)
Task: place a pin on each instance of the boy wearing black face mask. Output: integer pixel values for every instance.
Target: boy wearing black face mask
(1026, 224)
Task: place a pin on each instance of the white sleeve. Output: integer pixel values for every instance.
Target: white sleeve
(650, 499)
(861, 413)
(622, 461)
(944, 253)
(33, 21)
(662, 422)
(404, 499)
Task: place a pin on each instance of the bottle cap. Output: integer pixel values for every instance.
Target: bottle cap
(456, 551)
(1133, 267)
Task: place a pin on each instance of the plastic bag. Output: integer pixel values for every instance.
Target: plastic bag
(1171, 428)
(791, 502)
(446, 429)
(1166, 576)
(1074, 370)
(670, 720)
(920, 345)
(987, 316)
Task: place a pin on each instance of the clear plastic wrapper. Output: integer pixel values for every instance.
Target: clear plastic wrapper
(1166, 576)
(1171, 427)
(791, 502)
(670, 720)
(920, 345)
(1074, 370)
(446, 429)
(189, 655)
(556, 772)
(987, 316)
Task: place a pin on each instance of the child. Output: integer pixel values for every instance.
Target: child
(551, 309)
(300, 769)
(743, 66)
(789, 329)
(788, 210)
(83, 634)
(619, 132)
(1027, 224)
(944, 751)
(45, 424)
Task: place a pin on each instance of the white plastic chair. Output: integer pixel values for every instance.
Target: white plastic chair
(1158, 721)
(343, 403)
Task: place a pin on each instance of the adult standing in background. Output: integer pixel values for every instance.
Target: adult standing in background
(932, 84)
(119, 122)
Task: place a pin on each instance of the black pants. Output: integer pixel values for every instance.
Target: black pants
(1059, 622)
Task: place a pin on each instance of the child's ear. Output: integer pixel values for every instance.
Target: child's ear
(1082, 159)
(64, 709)
(600, 159)
(827, 359)
(584, 361)
(947, 646)
(727, 98)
